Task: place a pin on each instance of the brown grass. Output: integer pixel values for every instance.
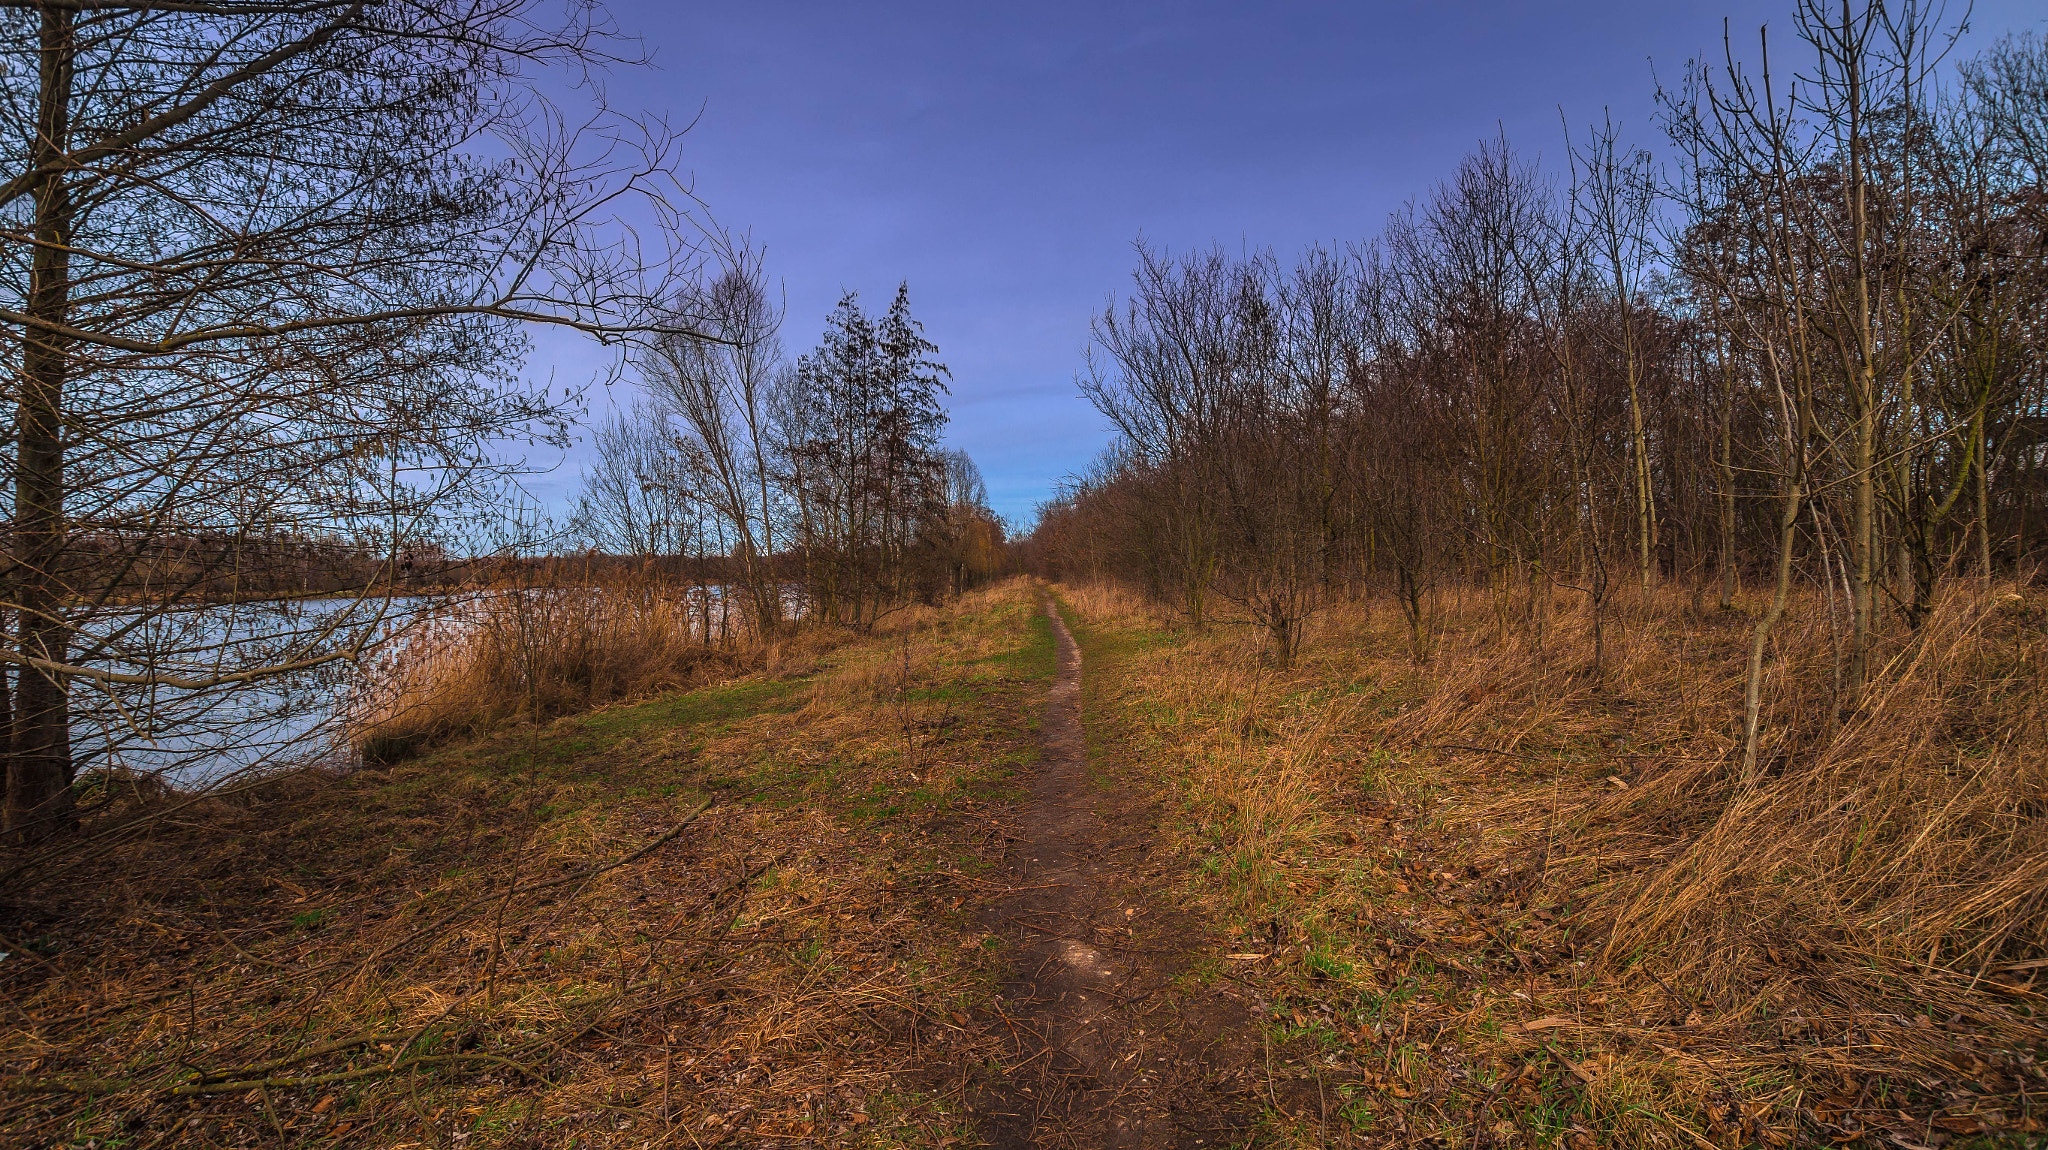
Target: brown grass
(537, 653)
(542, 936)
(1910, 837)
(1849, 947)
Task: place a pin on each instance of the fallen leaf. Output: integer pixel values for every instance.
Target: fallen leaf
(1547, 1023)
(1717, 1118)
(1579, 1072)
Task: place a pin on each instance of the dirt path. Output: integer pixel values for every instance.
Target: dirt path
(1114, 1044)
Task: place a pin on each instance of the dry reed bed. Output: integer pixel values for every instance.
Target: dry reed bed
(534, 653)
(545, 936)
(1556, 913)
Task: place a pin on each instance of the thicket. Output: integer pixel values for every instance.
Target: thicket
(1701, 501)
(1807, 349)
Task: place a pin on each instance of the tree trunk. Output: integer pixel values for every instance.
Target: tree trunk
(6, 731)
(1760, 637)
(1639, 444)
(39, 767)
(1726, 463)
(1409, 591)
(1863, 533)
(1791, 491)
(1980, 465)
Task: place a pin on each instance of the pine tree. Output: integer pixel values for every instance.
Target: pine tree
(863, 422)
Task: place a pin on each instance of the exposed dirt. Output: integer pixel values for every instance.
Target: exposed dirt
(1115, 1041)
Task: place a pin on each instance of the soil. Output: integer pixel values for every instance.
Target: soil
(1117, 1038)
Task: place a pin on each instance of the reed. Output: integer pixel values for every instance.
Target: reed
(534, 653)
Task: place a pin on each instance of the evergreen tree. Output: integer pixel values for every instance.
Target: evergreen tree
(862, 423)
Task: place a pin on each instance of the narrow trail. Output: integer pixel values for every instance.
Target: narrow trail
(1112, 1045)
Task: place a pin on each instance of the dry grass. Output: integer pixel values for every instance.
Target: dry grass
(537, 653)
(1454, 851)
(1501, 902)
(912, 650)
(1112, 605)
(1910, 837)
(544, 937)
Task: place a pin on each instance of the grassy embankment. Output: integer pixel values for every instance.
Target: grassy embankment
(726, 914)
(1503, 903)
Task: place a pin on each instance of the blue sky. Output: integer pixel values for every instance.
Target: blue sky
(1003, 158)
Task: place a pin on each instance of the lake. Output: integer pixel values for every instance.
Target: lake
(199, 739)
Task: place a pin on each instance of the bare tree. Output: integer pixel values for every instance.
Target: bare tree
(721, 395)
(638, 496)
(1617, 192)
(1162, 382)
(266, 266)
(1836, 364)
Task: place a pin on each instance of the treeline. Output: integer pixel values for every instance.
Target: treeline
(1809, 348)
(816, 488)
(199, 566)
